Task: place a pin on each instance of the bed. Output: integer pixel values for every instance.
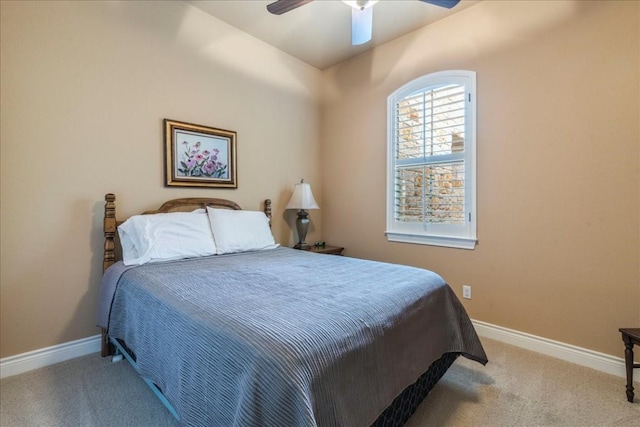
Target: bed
(278, 336)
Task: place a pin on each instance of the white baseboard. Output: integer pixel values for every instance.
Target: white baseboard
(18, 364)
(567, 352)
(24, 362)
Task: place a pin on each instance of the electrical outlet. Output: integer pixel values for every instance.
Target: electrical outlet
(466, 291)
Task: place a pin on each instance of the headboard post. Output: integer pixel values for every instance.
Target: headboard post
(267, 208)
(109, 231)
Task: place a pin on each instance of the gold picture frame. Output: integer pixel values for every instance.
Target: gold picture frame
(199, 156)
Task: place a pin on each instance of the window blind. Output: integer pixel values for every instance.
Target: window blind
(430, 144)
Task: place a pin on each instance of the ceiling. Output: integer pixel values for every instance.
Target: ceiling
(319, 33)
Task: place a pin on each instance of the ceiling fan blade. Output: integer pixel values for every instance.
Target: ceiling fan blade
(361, 24)
(443, 3)
(281, 6)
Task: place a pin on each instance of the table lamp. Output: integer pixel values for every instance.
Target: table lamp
(302, 199)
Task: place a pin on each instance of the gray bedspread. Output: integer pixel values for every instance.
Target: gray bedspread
(285, 337)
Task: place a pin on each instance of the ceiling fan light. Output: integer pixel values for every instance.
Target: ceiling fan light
(360, 4)
(361, 26)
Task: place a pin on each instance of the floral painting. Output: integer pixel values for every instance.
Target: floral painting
(196, 160)
(199, 156)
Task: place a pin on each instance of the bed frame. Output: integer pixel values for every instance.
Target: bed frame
(396, 415)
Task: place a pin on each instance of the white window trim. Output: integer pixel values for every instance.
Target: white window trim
(399, 232)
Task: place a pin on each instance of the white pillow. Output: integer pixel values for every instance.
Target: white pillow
(240, 231)
(165, 236)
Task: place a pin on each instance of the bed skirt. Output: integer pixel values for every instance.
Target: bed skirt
(406, 404)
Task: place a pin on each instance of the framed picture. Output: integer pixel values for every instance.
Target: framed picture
(199, 156)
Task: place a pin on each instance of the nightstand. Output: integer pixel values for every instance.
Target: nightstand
(326, 249)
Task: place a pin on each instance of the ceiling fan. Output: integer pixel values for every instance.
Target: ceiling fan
(361, 14)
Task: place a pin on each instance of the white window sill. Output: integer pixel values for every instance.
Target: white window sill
(446, 241)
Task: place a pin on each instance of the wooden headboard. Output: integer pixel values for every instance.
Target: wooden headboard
(186, 204)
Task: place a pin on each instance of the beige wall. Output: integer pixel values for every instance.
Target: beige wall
(85, 86)
(558, 163)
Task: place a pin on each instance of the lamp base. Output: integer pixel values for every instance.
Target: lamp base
(302, 224)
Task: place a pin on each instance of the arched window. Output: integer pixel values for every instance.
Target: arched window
(431, 174)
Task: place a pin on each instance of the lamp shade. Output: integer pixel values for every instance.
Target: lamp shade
(302, 198)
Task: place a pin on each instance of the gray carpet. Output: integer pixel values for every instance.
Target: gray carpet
(516, 388)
